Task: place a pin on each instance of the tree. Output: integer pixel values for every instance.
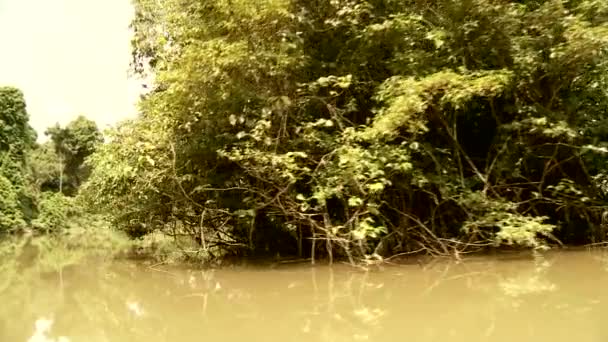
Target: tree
(73, 144)
(16, 135)
(16, 139)
(44, 173)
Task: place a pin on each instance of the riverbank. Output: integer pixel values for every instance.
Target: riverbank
(76, 244)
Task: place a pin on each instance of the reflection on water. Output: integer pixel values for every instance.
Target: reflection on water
(135, 308)
(558, 297)
(42, 331)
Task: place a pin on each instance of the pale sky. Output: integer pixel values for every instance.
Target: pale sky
(69, 57)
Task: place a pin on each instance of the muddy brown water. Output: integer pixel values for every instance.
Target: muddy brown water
(562, 296)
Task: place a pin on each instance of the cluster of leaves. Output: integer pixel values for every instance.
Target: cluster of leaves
(372, 126)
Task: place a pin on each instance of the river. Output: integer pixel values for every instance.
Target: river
(561, 296)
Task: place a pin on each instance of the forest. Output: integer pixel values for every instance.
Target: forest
(353, 130)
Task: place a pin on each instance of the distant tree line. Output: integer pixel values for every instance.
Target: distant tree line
(36, 180)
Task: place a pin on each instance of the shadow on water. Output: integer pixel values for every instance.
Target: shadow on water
(557, 296)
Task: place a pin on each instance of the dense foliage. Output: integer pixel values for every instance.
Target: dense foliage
(16, 139)
(363, 128)
(31, 175)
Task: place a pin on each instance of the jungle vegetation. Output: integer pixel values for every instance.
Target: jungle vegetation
(339, 129)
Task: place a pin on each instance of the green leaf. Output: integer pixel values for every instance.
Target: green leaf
(354, 201)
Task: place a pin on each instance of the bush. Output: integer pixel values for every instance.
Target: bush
(54, 212)
(11, 217)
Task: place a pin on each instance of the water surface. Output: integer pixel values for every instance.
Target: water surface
(560, 297)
